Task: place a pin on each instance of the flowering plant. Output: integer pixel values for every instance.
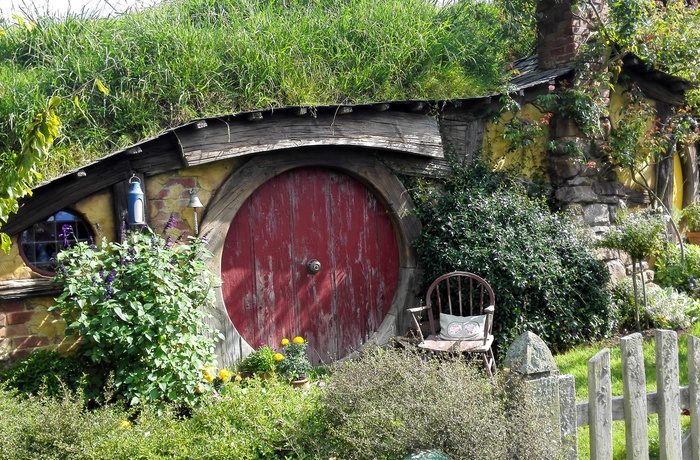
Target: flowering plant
(692, 217)
(260, 361)
(294, 364)
(217, 380)
(138, 307)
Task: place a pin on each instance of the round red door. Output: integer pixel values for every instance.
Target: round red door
(319, 217)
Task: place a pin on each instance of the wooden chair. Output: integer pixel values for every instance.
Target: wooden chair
(462, 302)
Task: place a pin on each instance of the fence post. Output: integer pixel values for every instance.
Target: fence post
(694, 394)
(530, 357)
(567, 402)
(600, 405)
(635, 397)
(669, 397)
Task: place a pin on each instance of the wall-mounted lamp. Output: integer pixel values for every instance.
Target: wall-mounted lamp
(195, 204)
(135, 206)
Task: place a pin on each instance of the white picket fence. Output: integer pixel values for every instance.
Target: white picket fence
(636, 403)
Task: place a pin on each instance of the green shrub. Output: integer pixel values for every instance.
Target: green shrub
(388, 403)
(46, 371)
(260, 361)
(680, 273)
(666, 307)
(136, 307)
(543, 273)
(639, 234)
(258, 420)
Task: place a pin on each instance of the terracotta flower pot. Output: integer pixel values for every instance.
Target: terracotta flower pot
(693, 237)
(300, 383)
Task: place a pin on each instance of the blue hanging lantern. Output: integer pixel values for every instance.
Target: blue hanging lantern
(135, 202)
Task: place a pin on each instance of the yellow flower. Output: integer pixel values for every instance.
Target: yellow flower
(278, 356)
(125, 424)
(225, 375)
(238, 377)
(209, 373)
(298, 340)
(200, 389)
(285, 342)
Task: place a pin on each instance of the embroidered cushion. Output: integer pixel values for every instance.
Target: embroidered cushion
(462, 327)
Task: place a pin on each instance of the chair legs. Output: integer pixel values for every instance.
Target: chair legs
(489, 362)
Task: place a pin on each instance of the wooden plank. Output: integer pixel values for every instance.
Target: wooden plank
(398, 131)
(667, 383)
(689, 167)
(618, 406)
(634, 395)
(600, 405)
(694, 394)
(63, 192)
(32, 287)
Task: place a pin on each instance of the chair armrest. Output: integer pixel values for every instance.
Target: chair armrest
(490, 309)
(415, 313)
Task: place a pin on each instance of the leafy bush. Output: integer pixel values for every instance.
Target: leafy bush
(639, 234)
(259, 420)
(260, 361)
(46, 371)
(388, 403)
(136, 307)
(543, 273)
(677, 272)
(666, 307)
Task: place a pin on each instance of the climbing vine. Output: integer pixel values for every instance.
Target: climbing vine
(18, 169)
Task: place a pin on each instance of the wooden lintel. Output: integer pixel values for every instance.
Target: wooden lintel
(24, 288)
(413, 133)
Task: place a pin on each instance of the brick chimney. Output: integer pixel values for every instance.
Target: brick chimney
(561, 30)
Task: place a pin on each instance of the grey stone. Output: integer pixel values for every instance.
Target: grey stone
(579, 180)
(577, 194)
(610, 188)
(563, 167)
(617, 270)
(596, 214)
(529, 355)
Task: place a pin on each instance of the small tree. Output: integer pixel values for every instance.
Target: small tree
(639, 234)
(137, 308)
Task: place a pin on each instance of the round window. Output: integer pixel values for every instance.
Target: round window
(40, 243)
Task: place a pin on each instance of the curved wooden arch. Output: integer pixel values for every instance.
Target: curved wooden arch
(371, 172)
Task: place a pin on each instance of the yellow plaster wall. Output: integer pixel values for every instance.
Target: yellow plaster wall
(495, 147)
(170, 193)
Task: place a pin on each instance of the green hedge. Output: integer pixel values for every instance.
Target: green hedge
(543, 272)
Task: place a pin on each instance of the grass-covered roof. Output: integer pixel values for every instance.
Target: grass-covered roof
(126, 78)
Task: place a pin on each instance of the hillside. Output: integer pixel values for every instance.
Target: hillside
(127, 78)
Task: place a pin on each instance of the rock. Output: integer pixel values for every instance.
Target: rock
(596, 214)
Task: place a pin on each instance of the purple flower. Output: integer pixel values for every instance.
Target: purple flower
(67, 233)
(110, 277)
(170, 223)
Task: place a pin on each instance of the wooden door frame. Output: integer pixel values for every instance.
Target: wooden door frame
(366, 168)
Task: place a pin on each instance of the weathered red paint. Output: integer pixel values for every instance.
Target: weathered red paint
(304, 214)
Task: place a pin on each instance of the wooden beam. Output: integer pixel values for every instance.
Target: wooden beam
(33, 287)
(398, 131)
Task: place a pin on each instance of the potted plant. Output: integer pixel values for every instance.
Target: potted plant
(294, 364)
(260, 362)
(691, 214)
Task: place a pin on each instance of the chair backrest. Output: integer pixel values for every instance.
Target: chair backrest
(459, 294)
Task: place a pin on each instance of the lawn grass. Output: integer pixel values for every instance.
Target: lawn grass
(575, 362)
